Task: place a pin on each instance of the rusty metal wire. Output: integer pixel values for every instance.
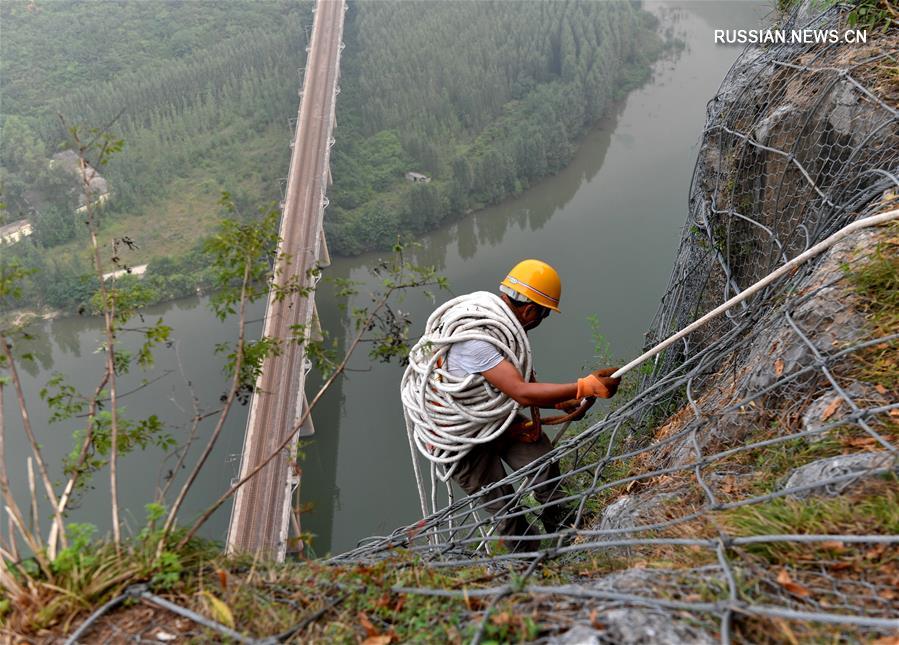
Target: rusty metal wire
(800, 140)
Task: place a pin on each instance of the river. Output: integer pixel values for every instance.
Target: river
(609, 223)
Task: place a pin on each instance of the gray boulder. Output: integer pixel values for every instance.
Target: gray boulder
(825, 470)
(634, 626)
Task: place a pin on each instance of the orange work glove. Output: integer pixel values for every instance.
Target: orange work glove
(605, 375)
(599, 383)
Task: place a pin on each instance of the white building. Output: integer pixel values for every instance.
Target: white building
(12, 233)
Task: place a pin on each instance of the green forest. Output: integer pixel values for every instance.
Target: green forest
(484, 98)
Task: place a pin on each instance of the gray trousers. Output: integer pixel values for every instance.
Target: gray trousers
(484, 466)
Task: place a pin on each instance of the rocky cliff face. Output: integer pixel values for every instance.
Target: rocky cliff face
(781, 451)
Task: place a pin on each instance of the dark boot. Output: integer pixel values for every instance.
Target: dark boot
(519, 526)
(557, 517)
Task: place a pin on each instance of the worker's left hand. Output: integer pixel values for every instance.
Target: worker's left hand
(571, 405)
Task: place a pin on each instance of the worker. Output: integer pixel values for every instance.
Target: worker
(531, 290)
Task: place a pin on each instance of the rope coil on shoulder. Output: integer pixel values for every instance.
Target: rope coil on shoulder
(447, 415)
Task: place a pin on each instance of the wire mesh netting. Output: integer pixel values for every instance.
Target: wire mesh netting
(751, 474)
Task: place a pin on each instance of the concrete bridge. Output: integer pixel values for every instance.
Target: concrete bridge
(262, 517)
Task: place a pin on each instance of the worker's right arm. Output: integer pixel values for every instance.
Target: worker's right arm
(508, 380)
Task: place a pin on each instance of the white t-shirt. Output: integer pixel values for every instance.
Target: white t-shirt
(472, 357)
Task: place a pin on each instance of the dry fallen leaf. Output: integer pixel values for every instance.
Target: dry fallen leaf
(861, 442)
(378, 640)
(842, 566)
(778, 367)
(369, 628)
(793, 587)
(887, 640)
(833, 545)
(875, 552)
(880, 389)
(831, 408)
(220, 611)
(503, 618)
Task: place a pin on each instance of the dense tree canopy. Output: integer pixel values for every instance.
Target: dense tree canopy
(181, 82)
(484, 97)
(55, 48)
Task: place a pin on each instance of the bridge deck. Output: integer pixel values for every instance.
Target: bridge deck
(261, 513)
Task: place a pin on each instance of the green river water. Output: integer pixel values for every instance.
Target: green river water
(609, 222)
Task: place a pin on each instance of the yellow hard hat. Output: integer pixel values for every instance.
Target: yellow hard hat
(536, 281)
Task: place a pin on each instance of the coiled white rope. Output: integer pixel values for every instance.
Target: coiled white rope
(447, 415)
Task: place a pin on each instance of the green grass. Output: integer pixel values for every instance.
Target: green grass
(876, 282)
(768, 572)
(88, 574)
(264, 598)
(876, 510)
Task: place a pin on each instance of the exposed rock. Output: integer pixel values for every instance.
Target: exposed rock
(830, 407)
(632, 581)
(651, 627)
(749, 79)
(638, 626)
(848, 114)
(578, 635)
(627, 512)
(841, 115)
(824, 470)
(763, 128)
(825, 315)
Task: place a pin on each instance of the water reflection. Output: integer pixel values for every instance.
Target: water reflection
(188, 366)
(528, 212)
